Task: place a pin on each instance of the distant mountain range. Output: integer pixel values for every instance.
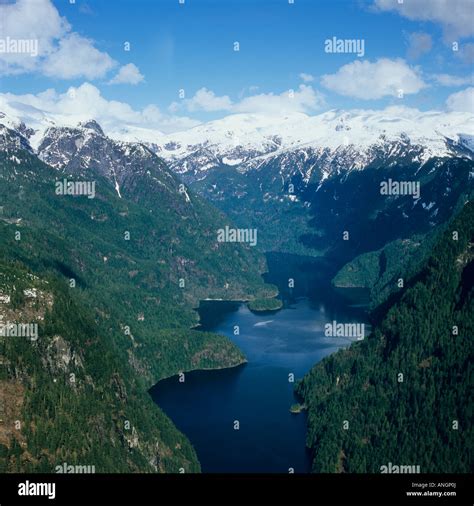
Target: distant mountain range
(350, 136)
(285, 172)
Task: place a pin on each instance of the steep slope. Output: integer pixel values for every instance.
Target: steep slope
(274, 170)
(354, 203)
(315, 209)
(404, 394)
(124, 270)
(157, 218)
(307, 175)
(69, 396)
(381, 270)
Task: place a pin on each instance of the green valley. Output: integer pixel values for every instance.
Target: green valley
(116, 278)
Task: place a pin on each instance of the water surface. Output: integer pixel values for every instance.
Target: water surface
(257, 395)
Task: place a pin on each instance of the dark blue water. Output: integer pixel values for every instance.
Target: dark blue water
(258, 394)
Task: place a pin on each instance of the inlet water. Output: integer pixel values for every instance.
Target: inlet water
(257, 395)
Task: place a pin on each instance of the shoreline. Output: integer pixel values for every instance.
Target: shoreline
(204, 369)
(295, 406)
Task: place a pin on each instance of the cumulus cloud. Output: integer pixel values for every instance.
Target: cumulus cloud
(80, 103)
(77, 57)
(127, 74)
(60, 52)
(20, 22)
(368, 81)
(84, 102)
(303, 99)
(455, 16)
(462, 101)
(419, 43)
(204, 100)
(307, 78)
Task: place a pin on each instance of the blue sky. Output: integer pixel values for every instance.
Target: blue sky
(190, 47)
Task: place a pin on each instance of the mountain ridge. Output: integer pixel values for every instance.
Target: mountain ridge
(239, 138)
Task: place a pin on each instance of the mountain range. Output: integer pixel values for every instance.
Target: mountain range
(260, 168)
(118, 275)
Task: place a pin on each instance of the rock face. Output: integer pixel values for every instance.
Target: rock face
(11, 140)
(294, 172)
(92, 125)
(85, 151)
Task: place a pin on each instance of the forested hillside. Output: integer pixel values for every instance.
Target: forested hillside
(71, 396)
(404, 394)
(116, 278)
(381, 270)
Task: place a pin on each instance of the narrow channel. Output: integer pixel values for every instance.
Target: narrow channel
(257, 395)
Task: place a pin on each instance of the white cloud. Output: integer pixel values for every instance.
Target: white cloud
(127, 74)
(419, 44)
(449, 80)
(203, 100)
(461, 101)
(455, 16)
(85, 102)
(304, 99)
(20, 22)
(366, 80)
(307, 78)
(62, 53)
(77, 57)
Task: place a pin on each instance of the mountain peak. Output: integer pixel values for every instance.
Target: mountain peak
(93, 125)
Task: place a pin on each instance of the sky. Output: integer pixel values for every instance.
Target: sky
(172, 64)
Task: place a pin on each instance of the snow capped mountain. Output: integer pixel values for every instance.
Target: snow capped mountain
(26, 120)
(262, 170)
(245, 164)
(332, 140)
(11, 140)
(239, 139)
(86, 152)
(92, 125)
(15, 113)
(86, 148)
